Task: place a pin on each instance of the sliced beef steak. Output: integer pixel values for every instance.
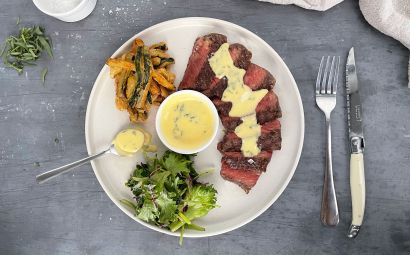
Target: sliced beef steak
(230, 123)
(198, 73)
(240, 55)
(217, 88)
(268, 109)
(269, 140)
(237, 168)
(269, 103)
(256, 78)
(246, 179)
(236, 160)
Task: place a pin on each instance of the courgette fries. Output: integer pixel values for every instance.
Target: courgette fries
(142, 78)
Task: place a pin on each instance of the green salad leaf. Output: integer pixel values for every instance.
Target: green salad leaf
(167, 192)
(167, 209)
(199, 201)
(176, 163)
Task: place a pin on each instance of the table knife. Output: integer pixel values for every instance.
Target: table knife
(356, 138)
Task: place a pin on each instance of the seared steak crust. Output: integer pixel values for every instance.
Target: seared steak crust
(236, 160)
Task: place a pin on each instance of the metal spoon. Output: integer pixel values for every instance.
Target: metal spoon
(41, 178)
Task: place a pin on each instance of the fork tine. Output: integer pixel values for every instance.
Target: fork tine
(319, 76)
(330, 79)
(334, 83)
(325, 76)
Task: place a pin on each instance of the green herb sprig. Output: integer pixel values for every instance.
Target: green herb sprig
(25, 48)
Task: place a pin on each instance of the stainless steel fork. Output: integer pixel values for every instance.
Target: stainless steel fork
(326, 88)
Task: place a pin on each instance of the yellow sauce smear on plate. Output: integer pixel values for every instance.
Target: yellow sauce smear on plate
(244, 100)
(129, 141)
(186, 122)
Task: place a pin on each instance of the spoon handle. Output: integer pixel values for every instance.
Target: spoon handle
(41, 178)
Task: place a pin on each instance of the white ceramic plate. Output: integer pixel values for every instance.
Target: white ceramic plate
(103, 121)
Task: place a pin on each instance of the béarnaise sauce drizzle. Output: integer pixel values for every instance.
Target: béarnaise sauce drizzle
(244, 100)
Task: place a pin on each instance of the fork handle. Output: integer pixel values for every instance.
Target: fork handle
(329, 213)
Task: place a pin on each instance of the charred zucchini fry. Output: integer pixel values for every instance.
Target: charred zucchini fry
(158, 100)
(158, 53)
(124, 64)
(160, 46)
(135, 44)
(147, 79)
(143, 72)
(162, 81)
(132, 99)
(121, 83)
(156, 61)
(164, 92)
(165, 62)
(167, 74)
(131, 84)
(154, 97)
(154, 88)
(121, 104)
(114, 71)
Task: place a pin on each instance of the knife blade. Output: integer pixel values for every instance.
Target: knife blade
(356, 138)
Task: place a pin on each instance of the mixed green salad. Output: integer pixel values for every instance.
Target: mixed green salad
(168, 194)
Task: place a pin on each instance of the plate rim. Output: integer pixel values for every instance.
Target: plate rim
(282, 188)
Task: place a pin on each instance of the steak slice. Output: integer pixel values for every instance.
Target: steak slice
(236, 160)
(230, 123)
(268, 109)
(246, 179)
(269, 140)
(217, 88)
(256, 78)
(240, 55)
(198, 73)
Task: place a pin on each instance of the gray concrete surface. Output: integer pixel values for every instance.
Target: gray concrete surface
(72, 215)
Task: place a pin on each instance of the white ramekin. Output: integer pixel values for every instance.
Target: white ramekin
(201, 97)
(82, 10)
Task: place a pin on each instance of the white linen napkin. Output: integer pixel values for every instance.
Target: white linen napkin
(318, 5)
(391, 17)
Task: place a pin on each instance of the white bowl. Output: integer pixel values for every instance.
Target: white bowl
(201, 97)
(79, 12)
